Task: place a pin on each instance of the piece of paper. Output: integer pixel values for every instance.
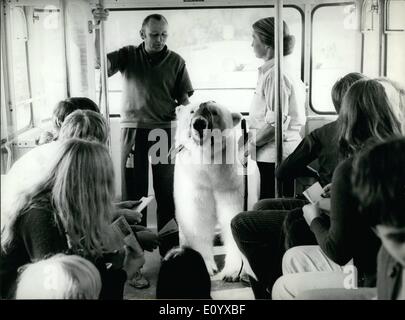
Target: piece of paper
(124, 232)
(145, 201)
(314, 192)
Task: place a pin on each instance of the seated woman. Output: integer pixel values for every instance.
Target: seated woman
(366, 117)
(67, 210)
(382, 203)
(261, 234)
(59, 277)
(27, 169)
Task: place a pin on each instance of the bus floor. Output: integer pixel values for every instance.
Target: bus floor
(220, 290)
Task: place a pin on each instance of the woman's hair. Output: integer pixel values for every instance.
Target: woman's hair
(59, 277)
(79, 189)
(183, 275)
(365, 116)
(265, 28)
(85, 124)
(396, 96)
(67, 106)
(341, 86)
(378, 181)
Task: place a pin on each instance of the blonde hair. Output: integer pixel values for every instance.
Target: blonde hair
(84, 124)
(59, 277)
(79, 189)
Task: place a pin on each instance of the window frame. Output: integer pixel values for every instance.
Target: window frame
(164, 8)
(387, 31)
(310, 89)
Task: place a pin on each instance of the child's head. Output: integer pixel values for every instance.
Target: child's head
(59, 277)
(379, 184)
(341, 86)
(183, 275)
(366, 115)
(85, 124)
(67, 106)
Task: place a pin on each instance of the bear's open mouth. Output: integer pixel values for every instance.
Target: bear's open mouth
(200, 129)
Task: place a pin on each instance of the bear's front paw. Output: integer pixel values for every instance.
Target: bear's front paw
(230, 275)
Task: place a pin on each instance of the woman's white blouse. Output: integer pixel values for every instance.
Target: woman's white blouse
(262, 109)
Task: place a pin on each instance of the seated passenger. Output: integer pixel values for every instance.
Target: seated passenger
(59, 277)
(382, 203)
(379, 185)
(183, 275)
(344, 237)
(320, 144)
(61, 111)
(68, 210)
(84, 124)
(260, 234)
(25, 170)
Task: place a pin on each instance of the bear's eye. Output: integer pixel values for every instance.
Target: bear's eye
(192, 111)
(214, 112)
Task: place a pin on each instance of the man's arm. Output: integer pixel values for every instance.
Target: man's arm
(97, 51)
(184, 99)
(99, 15)
(183, 87)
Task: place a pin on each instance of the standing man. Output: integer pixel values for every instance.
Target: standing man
(156, 81)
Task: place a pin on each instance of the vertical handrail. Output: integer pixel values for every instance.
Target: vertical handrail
(104, 73)
(66, 49)
(278, 58)
(245, 174)
(8, 74)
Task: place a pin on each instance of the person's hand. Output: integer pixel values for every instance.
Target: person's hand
(148, 240)
(243, 157)
(311, 211)
(100, 14)
(244, 150)
(125, 208)
(326, 191)
(133, 262)
(324, 204)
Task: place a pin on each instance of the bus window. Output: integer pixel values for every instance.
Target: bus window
(215, 45)
(335, 51)
(21, 83)
(37, 61)
(395, 28)
(49, 73)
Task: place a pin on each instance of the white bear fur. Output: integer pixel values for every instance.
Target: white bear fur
(205, 193)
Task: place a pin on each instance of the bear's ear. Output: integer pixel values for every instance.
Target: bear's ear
(236, 117)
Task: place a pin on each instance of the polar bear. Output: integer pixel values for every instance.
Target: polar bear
(208, 182)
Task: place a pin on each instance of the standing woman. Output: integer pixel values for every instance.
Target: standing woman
(262, 111)
(67, 211)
